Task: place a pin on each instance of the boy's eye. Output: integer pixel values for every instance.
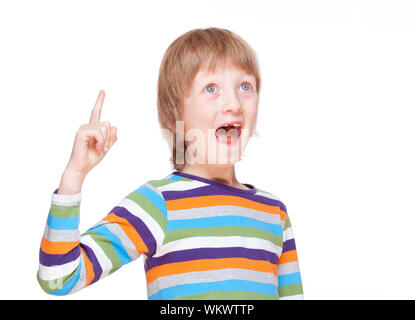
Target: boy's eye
(245, 86)
(210, 88)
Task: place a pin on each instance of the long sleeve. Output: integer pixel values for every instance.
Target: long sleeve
(70, 261)
(289, 278)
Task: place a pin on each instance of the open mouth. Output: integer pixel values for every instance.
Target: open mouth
(229, 133)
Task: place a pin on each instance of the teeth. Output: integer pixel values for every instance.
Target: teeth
(234, 125)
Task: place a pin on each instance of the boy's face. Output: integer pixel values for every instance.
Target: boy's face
(225, 96)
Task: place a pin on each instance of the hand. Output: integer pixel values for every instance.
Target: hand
(92, 141)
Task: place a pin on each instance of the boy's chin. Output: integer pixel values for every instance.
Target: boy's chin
(226, 157)
(227, 165)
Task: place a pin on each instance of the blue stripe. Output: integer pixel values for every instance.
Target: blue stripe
(115, 242)
(69, 285)
(175, 178)
(289, 279)
(224, 221)
(226, 285)
(57, 223)
(154, 198)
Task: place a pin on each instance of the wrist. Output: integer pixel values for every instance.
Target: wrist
(71, 182)
(74, 174)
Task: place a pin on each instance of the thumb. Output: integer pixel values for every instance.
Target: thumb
(113, 137)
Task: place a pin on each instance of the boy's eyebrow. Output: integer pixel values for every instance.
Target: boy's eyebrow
(208, 76)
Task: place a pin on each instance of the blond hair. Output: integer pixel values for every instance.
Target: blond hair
(198, 48)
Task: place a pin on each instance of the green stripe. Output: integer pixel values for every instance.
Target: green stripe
(222, 232)
(228, 295)
(106, 246)
(56, 284)
(160, 183)
(64, 212)
(149, 207)
(112, 270)
(287, 223)
(263, 191)
(290, 290)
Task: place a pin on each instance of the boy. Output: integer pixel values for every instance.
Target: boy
(203, 234)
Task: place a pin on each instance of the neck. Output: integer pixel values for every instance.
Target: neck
(223, 174)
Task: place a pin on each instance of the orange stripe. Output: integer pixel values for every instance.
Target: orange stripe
(209, 264)
(129, 230)
(90, 274)
(55, 247)
(283, 215)
(208, 201)
(288, 256)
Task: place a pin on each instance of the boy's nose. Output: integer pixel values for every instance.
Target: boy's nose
(232, 104)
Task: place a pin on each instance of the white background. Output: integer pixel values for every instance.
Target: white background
(335, 121)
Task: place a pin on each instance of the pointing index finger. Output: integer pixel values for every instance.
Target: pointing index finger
(96, 111)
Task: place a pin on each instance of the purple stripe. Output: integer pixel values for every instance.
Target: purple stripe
(139, 226)
(214, 191)
(218, 184)
(211, 253)
(95, 264)
(50, 260)
(289, 245)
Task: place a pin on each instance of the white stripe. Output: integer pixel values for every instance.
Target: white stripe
(295, 297)
(225, 210)
(181, 185)
(217, 242)
(287, 268)
(61, 235)
(267, 195)
(82, 277)
(55, 272)
(288, 234)
(126, 242)
(66, 200)
(102, 258)
(210, 276)
(148, 220)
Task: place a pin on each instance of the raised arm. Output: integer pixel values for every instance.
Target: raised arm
(69, 261)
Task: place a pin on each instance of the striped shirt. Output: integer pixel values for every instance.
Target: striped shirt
(200, 239)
